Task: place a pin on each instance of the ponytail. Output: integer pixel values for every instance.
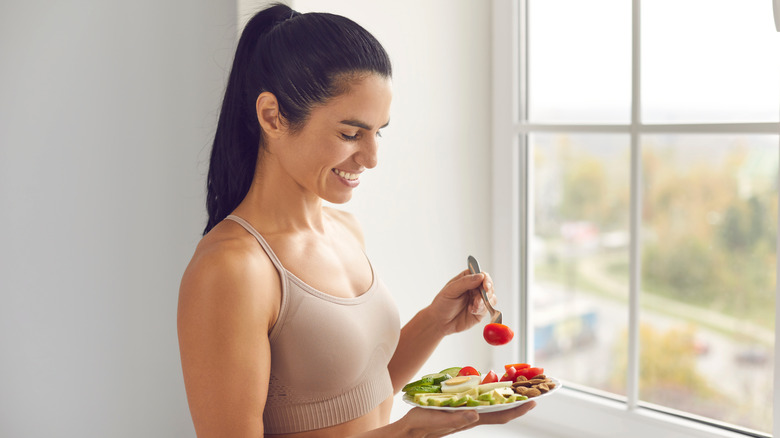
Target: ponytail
(301, 59)
(237, 138)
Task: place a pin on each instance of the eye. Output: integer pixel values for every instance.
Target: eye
(350, 137)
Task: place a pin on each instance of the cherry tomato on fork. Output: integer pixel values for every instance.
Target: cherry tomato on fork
(497, 334)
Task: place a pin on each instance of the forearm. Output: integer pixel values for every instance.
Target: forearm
(419, 338)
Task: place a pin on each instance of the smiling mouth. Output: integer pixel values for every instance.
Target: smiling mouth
(346, 175)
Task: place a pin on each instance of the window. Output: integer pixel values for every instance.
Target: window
(645, 142)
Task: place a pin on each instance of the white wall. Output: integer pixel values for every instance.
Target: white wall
(106, 110)
(106, 113)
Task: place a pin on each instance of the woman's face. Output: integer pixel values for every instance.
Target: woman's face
(339, 140)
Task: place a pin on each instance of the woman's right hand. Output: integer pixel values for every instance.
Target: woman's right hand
(427, 423)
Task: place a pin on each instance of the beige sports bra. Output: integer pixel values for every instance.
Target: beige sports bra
(329, 355)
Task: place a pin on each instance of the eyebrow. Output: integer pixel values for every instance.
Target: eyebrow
(359, 124)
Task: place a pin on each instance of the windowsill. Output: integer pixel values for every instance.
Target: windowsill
(573, 413)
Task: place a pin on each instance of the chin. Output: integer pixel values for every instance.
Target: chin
(343, 199)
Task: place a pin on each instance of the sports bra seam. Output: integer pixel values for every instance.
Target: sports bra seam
(287, 275)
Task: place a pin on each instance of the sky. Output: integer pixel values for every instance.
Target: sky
(702, 61)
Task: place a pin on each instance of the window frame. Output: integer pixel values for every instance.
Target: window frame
(586, 412)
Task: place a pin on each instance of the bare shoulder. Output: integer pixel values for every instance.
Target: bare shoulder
(228, 301)
(348, 221)
(230, 272)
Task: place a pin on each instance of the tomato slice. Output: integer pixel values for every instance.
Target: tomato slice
(490, 377)
(468, 371)
(518, 366)
(497, 334)
(510, 375)
(530, 372)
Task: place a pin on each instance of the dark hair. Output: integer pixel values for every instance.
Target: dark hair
(303, 59)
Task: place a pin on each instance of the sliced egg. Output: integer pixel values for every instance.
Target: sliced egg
(460, 384)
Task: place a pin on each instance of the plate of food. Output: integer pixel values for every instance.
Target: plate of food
(469, 389)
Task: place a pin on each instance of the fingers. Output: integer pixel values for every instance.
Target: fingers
(487, 283)
(437, 424)
(463, 283)
(473, 280)
(502, 417)
(477, 305)
(460, 275)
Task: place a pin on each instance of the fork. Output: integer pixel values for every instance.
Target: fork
(495, 315)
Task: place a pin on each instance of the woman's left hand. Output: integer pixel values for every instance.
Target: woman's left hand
(459, 305)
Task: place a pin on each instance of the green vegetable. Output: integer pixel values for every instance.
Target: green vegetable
(451, 371)
(472, 402)
(488, 397)
(461, 401)
(423, 381)
(423, 389)
(439, 401)
(437, 378)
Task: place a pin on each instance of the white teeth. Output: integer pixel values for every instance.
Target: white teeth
(345, 175)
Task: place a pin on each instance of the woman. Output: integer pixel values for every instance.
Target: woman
(284, 327)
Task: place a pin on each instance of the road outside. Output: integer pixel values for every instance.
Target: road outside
(734, 357)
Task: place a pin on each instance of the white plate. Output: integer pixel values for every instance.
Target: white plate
(491, 408)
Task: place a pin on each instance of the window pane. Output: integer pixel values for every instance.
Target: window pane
(579, 61)
(708, 275)
(709, 61)
(580, 189)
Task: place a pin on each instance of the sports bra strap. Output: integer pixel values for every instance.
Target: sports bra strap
(247, 226)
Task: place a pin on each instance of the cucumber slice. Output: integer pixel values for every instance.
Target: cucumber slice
(460, 401)
(435, 400)
(451, 371)
(437, 378)
(472, 402)
(423, 381)
(423, 388)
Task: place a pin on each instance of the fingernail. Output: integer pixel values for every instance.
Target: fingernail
(488, 285)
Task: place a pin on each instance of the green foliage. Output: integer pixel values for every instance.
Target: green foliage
(713, 247)
(709, 218)
(667, 369)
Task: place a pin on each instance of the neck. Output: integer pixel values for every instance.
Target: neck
(276, 203)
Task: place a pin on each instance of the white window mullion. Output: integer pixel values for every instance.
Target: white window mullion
(526, 198)
(776, 398)
(508, 178)
(632, 373)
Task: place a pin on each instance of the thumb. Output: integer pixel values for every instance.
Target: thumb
(467, 282)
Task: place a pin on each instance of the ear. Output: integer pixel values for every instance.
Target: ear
(267, 108)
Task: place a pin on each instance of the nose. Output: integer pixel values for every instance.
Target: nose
(366, 156)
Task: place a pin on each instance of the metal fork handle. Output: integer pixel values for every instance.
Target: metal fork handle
(495, 317)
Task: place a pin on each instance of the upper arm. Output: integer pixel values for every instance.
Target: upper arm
(227, 303)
